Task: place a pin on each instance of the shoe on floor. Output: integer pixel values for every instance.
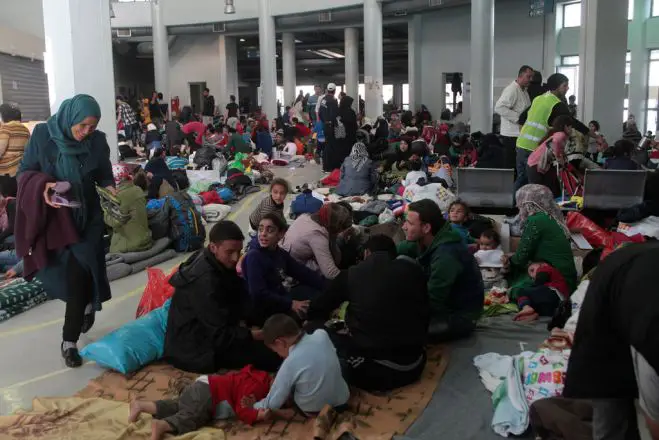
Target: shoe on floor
(71, 357)
(88, 322)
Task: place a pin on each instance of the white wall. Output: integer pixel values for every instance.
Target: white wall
(194, 58)
(21, 29)
(518, 40)
(15, 42)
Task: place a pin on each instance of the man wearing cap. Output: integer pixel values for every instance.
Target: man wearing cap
(537, 121)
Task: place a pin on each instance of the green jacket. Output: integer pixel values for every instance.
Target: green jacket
(455, 285)
(543, 240)
(130, 231)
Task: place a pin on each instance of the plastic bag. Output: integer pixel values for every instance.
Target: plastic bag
(133, 345)
(157, 291)
(595, 235)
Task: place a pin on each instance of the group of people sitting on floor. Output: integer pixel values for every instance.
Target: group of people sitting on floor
(281, 300)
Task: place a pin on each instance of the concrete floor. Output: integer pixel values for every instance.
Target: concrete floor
(30, 359)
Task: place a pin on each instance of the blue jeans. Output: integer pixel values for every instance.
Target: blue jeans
(522, 158)
(8, 259)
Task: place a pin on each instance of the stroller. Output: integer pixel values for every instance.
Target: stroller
(571, 181)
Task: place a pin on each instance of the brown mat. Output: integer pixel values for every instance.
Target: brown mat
(375, 417)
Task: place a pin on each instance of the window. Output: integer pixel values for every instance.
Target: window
(655, 8)
(572, 14)
(387, 93)
(449, 97)
(652, 123)
(570, 67)
(630, 10)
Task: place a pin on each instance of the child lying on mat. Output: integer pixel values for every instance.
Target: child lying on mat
(310, 372)
(544, 296)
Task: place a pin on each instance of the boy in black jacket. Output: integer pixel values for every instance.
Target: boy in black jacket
(204, 329)
(387, 318)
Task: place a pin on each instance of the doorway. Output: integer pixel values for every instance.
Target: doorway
(197, 96)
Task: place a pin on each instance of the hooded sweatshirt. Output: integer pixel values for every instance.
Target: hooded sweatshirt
(455, 284)
(265, 271)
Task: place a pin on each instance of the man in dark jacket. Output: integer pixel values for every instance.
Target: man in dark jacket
(455, 284)
(386, 318)
(615, 355)
(204, 331)
(208, 111)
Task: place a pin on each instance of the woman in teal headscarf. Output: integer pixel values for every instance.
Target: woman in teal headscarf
(69, 148)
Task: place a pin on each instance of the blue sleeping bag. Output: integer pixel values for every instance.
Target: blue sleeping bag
(133, 345)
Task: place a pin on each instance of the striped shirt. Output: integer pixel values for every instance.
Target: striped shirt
(13, 138)
(266, 206)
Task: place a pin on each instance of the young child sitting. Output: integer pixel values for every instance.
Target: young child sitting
(266, 267)
(279, 189)
(310, 374)
(445, 171)
(289, 150)
(489, 259)
(216, 396)
(543, 297)
(415, 174)
(458, 214)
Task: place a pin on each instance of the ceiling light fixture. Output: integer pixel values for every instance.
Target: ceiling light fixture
(242, 40)
(229, 8)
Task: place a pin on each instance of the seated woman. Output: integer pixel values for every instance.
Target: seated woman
(311, 239)
(545, 238)
(266, 267)
(127, 218)
(358, 173)
(621, 159)
(540, 167)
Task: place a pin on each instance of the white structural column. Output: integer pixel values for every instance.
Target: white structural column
(602, 52)
(352, 65)
(78, 57)
(398, 94)
(373, 70)
(414, 28)
(482, 65)
(638, 77)
(267, 53)
(288, 61)
(550, 56)
(228, 52)
(160, 49)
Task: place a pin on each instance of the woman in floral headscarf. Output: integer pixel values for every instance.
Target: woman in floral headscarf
(545, 238)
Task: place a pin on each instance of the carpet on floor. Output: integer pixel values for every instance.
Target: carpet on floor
(83, 419)
(375, 417)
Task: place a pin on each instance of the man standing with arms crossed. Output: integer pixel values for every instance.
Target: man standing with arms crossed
(513, 101)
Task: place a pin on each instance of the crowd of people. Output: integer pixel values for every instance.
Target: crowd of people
(267, 299)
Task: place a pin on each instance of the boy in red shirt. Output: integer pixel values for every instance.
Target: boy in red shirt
(205, 400)
(544, 296)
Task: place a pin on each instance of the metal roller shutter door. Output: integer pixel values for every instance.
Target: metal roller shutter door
(24, 83)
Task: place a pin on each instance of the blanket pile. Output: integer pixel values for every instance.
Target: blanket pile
(122, 265)
(18, 296)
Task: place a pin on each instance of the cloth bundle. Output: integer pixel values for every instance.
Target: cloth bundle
(122, 265)
(18, 296)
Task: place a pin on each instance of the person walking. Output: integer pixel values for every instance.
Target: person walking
(208, 111)
(69, 148)
(511, 104)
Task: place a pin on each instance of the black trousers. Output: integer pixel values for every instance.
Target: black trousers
(541, 298)
(509, 151)
(80, 283)
(248, 352)
(450, 328)
(370, 372)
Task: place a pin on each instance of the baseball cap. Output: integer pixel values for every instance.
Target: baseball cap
(331, 87)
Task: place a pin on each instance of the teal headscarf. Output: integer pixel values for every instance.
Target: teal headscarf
(72, 153)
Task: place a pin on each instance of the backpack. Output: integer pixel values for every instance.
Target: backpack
(158, 212)
(187, 230)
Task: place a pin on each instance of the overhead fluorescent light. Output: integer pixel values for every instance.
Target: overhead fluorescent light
(324, 55)
(331, 53)
(242, 40)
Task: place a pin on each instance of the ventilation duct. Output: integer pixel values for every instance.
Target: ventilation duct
(219, 27)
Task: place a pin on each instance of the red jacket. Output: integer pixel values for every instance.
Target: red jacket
(549, 276)
(39, 229)
(233, 386)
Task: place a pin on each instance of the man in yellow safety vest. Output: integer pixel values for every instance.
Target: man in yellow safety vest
(538, 120)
